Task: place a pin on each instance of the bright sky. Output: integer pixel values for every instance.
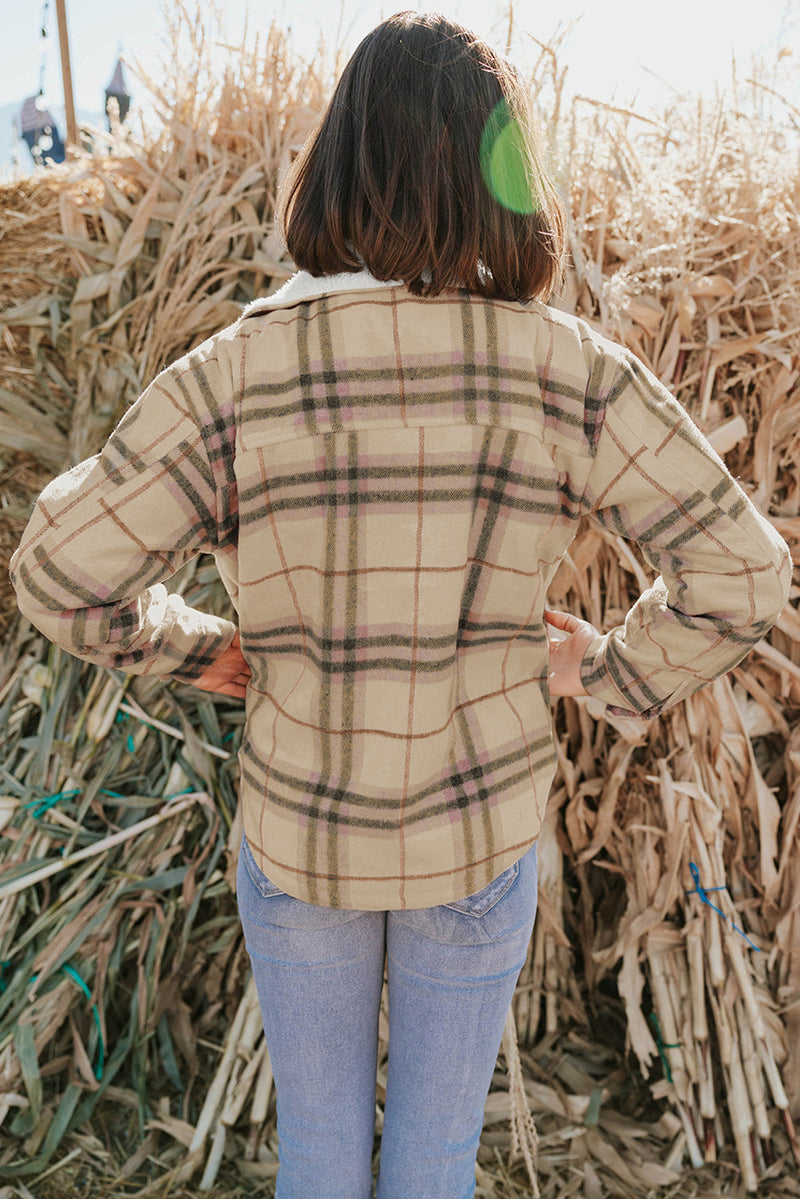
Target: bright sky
(625, 50)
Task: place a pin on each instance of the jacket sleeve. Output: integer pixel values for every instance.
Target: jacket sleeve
(724, 572)
(102, 536)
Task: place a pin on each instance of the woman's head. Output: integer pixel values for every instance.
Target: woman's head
(424, 168)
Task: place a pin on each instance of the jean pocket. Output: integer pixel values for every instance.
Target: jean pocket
(484, 900)
(257, 876)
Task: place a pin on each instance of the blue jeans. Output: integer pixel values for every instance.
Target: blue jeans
(452, 971)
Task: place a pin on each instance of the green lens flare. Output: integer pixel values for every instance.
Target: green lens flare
(505, 162)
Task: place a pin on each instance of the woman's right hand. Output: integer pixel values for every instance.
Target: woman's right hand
(229, 674)
(566, 652)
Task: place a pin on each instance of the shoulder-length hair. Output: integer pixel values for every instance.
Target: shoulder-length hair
(424, 168)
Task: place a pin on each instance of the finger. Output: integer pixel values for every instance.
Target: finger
(231, 687)
(221, 683)
(561, 620)
(230, 663)
(564, 622)
(235, 690)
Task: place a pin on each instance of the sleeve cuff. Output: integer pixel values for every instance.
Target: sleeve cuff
(598, 683)
(212, 638)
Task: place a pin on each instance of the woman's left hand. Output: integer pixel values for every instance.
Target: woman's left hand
(568, 638)
(229, 674)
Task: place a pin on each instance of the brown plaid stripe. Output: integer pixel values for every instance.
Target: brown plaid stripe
(388, 485)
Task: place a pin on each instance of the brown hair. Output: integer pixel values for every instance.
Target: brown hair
(424, 168)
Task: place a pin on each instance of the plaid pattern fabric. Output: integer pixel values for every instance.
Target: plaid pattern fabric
(388, 485)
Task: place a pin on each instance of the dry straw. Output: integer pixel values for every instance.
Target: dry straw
(657, 1049)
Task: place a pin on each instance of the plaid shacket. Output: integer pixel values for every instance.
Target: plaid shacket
(388, 485)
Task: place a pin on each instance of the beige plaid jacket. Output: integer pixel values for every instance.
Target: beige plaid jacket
(388, 485)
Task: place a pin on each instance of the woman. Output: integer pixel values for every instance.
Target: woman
(388, 459)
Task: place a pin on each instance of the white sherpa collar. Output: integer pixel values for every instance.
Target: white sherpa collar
(302, 287)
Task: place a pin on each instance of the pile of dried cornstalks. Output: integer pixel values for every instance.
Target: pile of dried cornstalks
(658, 1017)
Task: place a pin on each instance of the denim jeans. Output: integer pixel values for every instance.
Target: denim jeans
(451, 976)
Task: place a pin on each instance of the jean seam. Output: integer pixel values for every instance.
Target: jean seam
(477, 915)
(249, 862)
(454, 980)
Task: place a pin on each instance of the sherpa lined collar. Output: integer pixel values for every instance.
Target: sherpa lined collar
(303, 286)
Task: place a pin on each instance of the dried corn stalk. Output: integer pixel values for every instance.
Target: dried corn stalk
(684, 241)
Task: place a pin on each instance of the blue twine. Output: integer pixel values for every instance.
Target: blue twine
(40, 807)
(118, 719)
(703, 893)
(76, 978)
(663, 1045)
(101, 1049)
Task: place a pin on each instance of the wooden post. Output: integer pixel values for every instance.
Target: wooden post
(66, 75)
